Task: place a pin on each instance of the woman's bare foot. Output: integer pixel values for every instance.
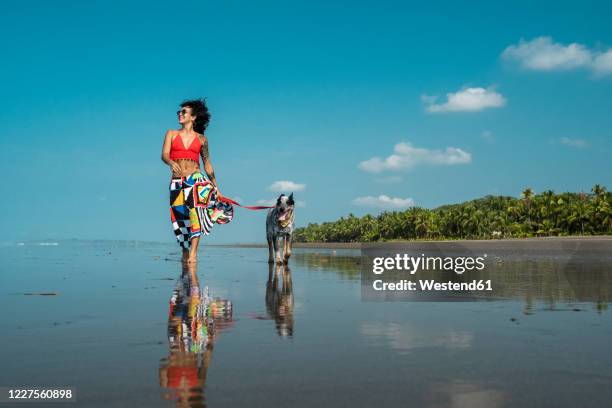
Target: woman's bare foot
(192, 259)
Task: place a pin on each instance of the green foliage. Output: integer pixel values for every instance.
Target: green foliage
(545, 214)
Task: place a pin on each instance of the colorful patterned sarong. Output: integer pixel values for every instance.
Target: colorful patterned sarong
(194, 208)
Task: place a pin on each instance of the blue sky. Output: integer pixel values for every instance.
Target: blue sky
(363, 106)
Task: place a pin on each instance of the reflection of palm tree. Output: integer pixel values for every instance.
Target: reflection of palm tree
(279, 303)
(193, 322)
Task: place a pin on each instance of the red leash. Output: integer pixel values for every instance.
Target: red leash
(249, 207)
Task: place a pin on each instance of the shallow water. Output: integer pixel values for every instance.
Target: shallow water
(129, 327)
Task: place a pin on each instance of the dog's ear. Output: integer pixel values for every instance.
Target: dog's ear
(278, 201)
(290, 201)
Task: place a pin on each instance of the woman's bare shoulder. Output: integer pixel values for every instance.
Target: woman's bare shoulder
(170, 133)
(202, 137)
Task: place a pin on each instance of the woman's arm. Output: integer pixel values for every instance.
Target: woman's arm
(165, 156)
(208, 168)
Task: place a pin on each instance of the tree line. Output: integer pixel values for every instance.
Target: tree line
(531, 215)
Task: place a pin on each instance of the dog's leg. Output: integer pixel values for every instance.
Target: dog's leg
(270, 251)
(287, 251)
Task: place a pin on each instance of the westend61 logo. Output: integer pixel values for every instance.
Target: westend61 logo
(412, 264)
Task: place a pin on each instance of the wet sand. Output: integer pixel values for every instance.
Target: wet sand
(128, 327)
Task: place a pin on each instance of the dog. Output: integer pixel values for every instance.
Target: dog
(279, 224)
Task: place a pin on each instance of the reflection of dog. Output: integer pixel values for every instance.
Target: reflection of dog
(279, 224)
(279, 302)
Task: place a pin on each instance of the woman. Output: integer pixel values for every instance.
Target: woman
(195, 200)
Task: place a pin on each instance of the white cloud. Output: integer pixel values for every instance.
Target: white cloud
(428, 99)
(406, 156)
(383, 201)
(542, 54)
(465, 100)
(602, 63)
(580, 143)
(269, 202)
(285, 185)
(488, 136)
(272, 202)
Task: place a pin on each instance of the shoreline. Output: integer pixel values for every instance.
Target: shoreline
(589, 242)
(541, 242)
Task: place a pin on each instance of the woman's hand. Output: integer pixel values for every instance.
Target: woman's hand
(219, 195)
(176, 169)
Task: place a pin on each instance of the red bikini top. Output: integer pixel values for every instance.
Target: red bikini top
(179, 151)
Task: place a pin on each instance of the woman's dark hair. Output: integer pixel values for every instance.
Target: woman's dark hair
(200, 111)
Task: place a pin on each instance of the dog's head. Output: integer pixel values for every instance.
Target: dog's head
(284, 209)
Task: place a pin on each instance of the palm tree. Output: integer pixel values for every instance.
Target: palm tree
(598, 190)
(527, 195)
(543, 214)
(579, 214)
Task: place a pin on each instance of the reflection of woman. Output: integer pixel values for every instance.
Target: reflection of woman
(194, 199)
(192, 323)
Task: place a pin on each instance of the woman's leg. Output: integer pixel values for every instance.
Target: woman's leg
(179, 215)
(193, 251)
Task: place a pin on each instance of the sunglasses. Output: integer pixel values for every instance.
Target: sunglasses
(182, 112)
